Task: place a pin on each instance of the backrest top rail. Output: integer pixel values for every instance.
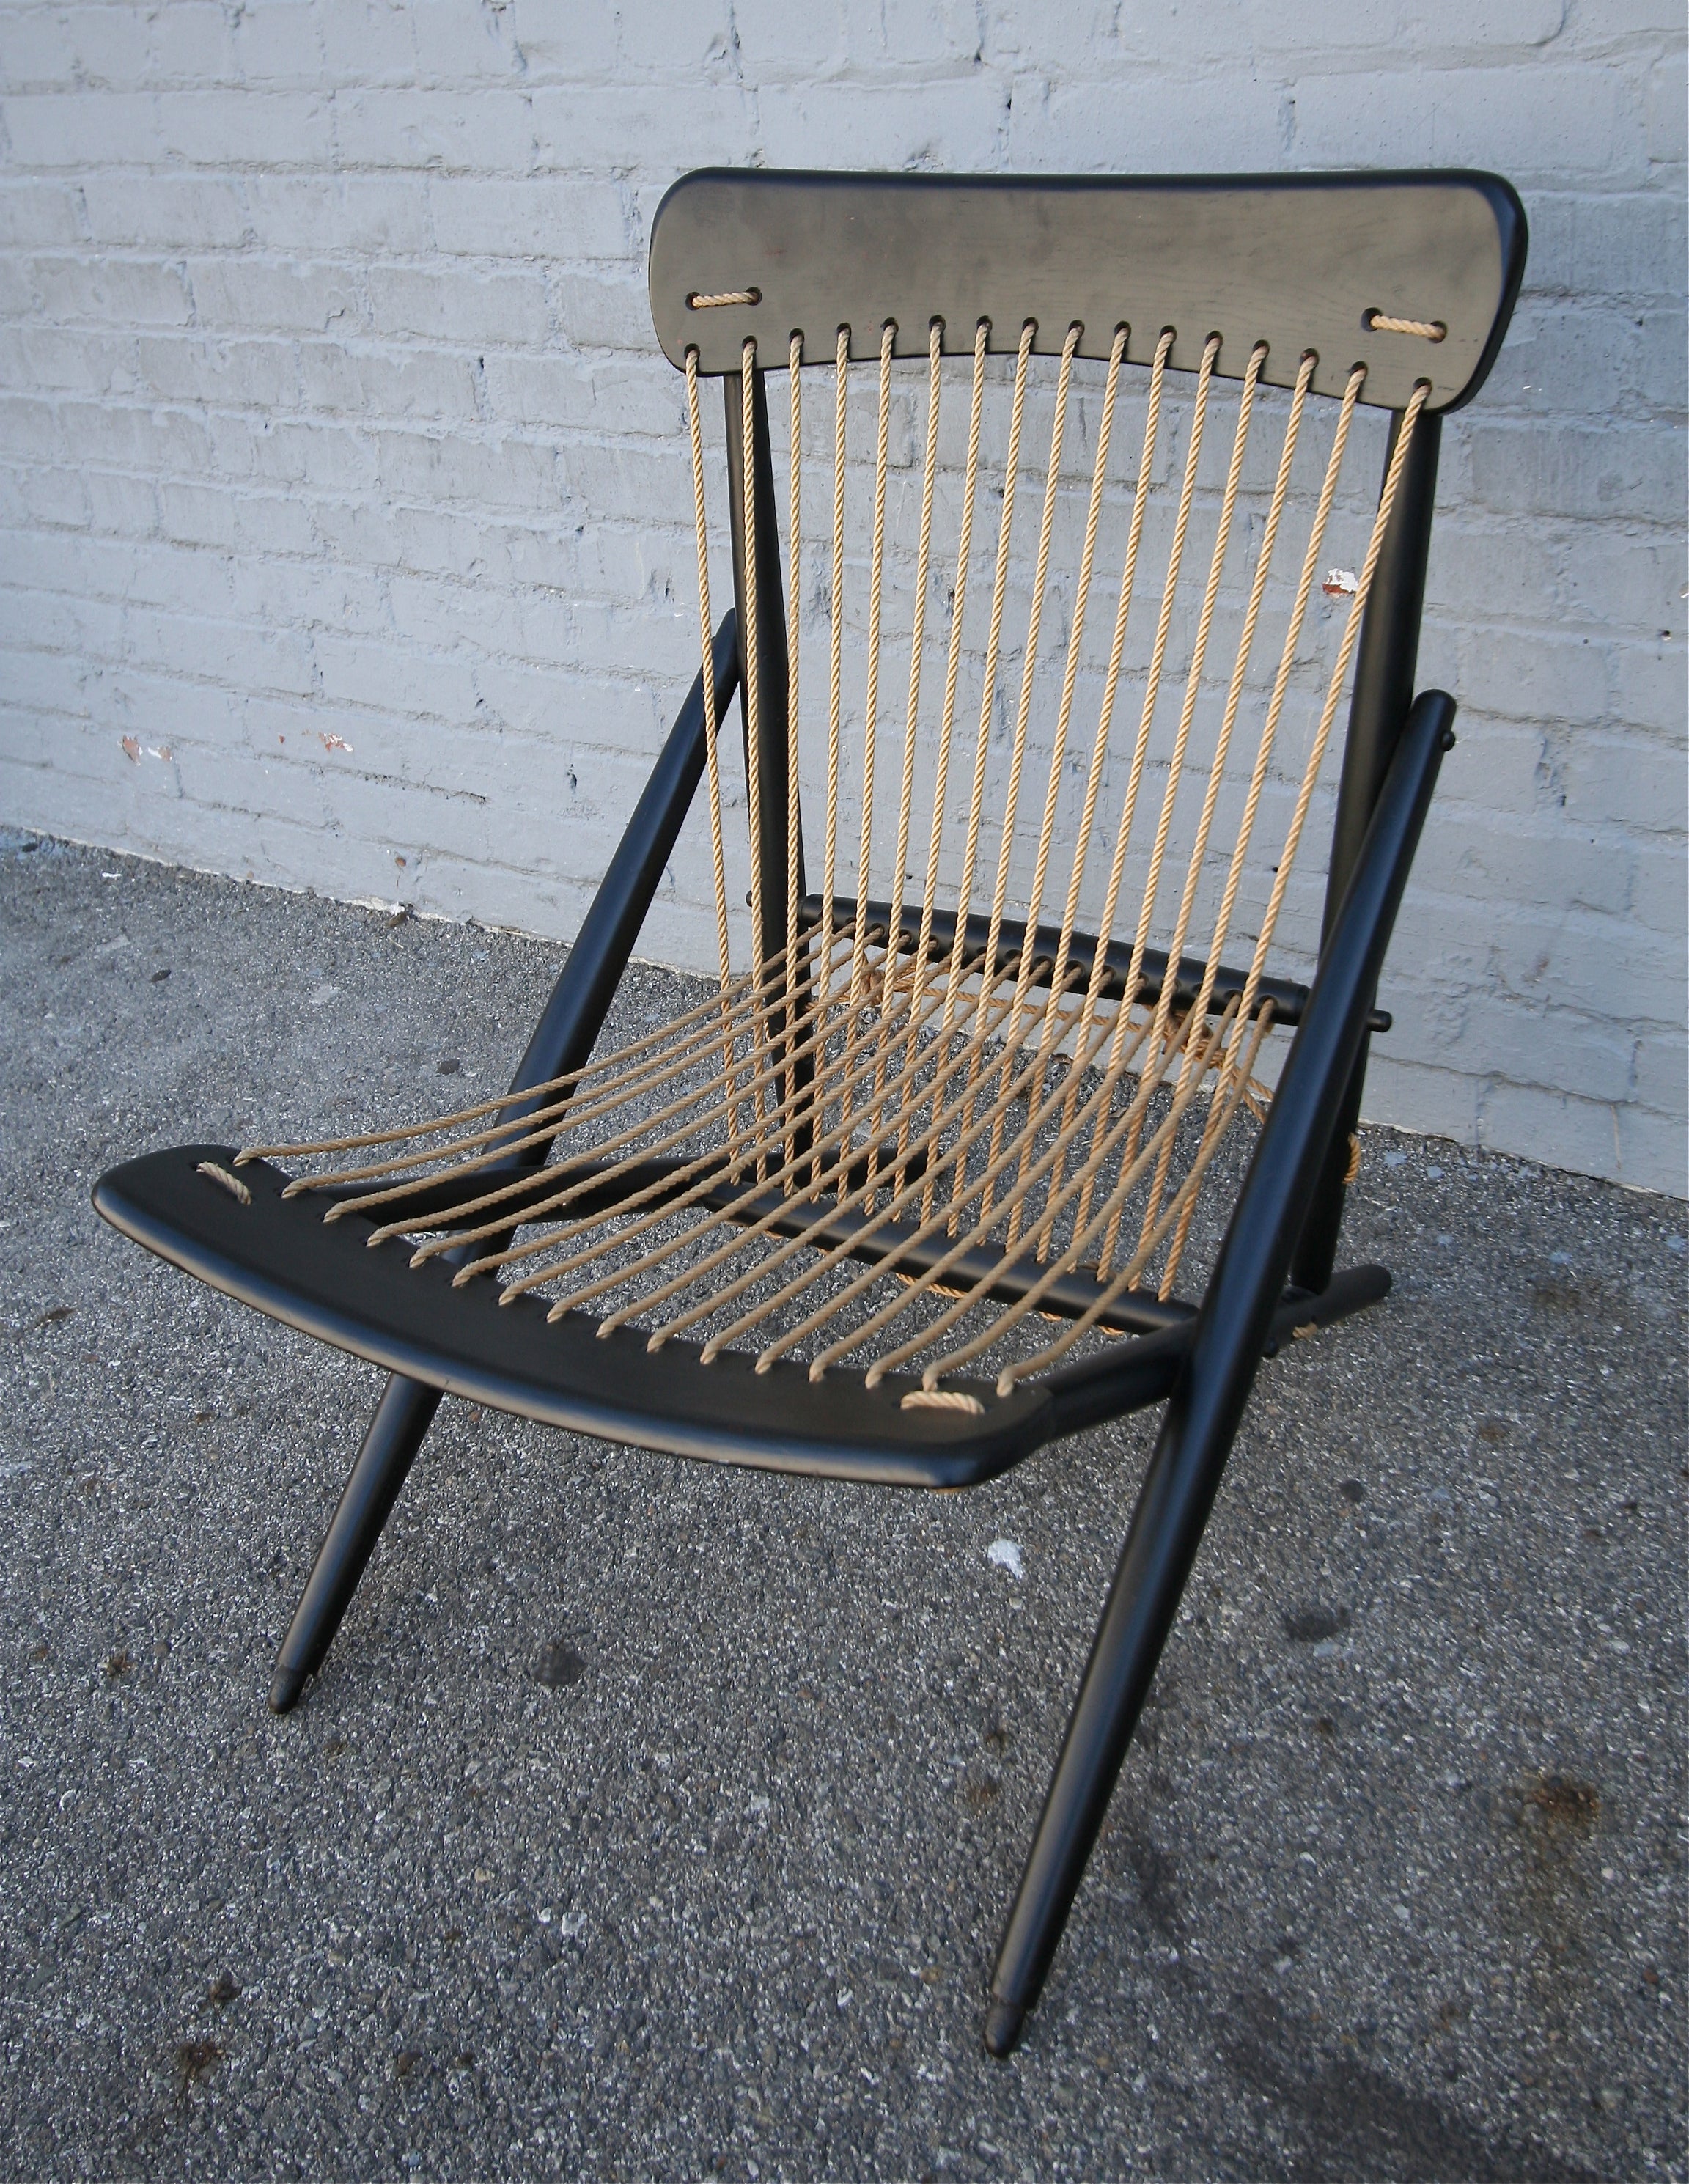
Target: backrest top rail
(1412, 275)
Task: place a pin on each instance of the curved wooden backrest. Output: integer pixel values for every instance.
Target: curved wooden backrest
(1299, 261)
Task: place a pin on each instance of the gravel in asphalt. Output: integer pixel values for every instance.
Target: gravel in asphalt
(656, 1821)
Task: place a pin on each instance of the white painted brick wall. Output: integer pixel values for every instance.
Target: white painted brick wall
(340, 475)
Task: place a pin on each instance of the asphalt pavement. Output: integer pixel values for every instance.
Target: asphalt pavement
(656, 1821)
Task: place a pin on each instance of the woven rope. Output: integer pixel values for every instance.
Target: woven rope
(1151, 693)
(947, 717)
(999, 584)
(870, 704)
(905, 796)
(983, 1116)
(1023, 715)
(1105, 721)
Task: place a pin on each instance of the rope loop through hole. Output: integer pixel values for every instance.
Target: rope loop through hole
(1381, 322)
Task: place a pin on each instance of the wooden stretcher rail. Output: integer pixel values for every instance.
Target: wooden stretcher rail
(1288, 998)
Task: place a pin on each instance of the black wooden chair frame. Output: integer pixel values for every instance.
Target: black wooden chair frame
(1276, 1274)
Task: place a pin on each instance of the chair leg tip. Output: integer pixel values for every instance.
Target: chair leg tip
(1003, 2023)
(285, 1689)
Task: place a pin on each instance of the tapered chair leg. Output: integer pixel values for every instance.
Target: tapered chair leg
(1167, 1529)
(396, 1432)
(562, 1041)
(1208, 1402)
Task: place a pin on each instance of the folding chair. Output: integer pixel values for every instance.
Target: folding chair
(907, 1194)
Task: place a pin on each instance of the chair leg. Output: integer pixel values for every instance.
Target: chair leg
(1167, 1527)
(562, 1041)
(402, 1419)
(1208, 1402)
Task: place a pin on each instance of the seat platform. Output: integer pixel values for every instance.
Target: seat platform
(279, 1256)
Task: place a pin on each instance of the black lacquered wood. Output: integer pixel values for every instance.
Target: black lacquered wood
(1299, 261)
(1215, 1379)
(281, 1256)
(1379, 710)
(773, 745)
(1287, 996)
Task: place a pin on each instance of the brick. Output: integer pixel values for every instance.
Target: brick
(310, 214)
(436, 130)
(191, 41)
(367, 42)
(121, 503)
(102, 364)
(272, 44)
(1659, 891)
(1558, 359)
(1548, 1128)
(203, 515)
(597, 128)
(111, 291)
(1516, 863)
(506, 472)
(34, 214)
(1085, 123)
(1620, 579)
(455, 45)
(1651, 1154)
(1577, 123)
(1625, 246)
(530, 700)
(595, 313)
(1404, 1095)
(449, 303)
(1533, 677)
(1604, 471)
(1510, 951)
(374, 380)
(127, 437)
(1639, 783)
(262, 374)
(355, 671)
(582, 42)
(245, 293)
(559, 391)
(78, 129)
(236, 653)
(1666, 124)
(173, 212)
(1648, 686)
(1660, 1081)
(546, 216)
(282, 129)
(1556, 1050)
(38, 49)
(667, 40)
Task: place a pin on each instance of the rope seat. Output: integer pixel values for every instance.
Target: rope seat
(979, 1121)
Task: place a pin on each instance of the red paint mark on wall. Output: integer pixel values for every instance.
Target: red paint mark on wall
(335, 743)
(1341, 583)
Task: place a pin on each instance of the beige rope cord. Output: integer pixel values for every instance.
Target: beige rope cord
(910, 1138)
(1380, 322)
